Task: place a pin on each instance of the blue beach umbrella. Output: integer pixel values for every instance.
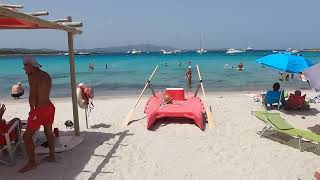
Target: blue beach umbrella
(285, 62)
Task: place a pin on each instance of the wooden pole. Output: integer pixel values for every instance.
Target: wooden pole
(130, 114)
(73, 84)
(72, 24)
(86, 114)
(208, 110)
(61, 20)
(11, 6)
(41, 13)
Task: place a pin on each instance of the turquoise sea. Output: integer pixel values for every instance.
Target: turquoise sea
(128, 73)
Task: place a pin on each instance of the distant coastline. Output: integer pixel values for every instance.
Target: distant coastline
(111, 50)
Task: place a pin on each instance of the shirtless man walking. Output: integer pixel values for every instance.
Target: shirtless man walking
(41, 111)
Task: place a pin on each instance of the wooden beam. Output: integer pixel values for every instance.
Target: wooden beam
(43, 24)
(72, 24)
(73, 84)
(11, 6)
(61, 20)
(41, 13)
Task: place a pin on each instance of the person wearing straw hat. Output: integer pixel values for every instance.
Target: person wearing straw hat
(17, 90)
(41, 111)
(189, 76)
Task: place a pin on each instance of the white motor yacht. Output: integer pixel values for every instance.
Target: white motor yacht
(233, 51)
(133, 51)
(165, 52)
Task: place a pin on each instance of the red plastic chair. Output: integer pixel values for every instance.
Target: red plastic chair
(295, 102)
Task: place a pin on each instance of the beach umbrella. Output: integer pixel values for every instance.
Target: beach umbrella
(313, 76)
(285, 62)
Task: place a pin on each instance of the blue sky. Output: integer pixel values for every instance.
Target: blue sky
(265, 24)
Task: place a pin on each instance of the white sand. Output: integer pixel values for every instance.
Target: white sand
(231, 150)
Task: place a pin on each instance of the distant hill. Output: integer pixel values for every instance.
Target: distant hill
(123, 49)
(17, 51)
(115, 49)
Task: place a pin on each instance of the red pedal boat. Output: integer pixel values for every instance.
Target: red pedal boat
(180, 107)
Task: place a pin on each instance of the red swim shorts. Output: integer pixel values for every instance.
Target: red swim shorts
(42, 115)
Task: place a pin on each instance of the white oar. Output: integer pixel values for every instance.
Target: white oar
(130, 114)
(208, 112)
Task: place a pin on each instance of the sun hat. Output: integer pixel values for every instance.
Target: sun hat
(31, 60)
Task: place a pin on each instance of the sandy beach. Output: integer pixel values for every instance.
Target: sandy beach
(231, 150)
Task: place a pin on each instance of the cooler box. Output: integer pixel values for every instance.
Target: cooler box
(175, 93)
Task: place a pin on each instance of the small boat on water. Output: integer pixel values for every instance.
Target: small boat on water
(201, 51)
(249, 48)
(134, 51)
(166, 52)
(173, 105)
(233, 51)
(177, 51)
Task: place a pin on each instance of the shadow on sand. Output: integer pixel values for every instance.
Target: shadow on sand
(100, 125)
(290, 141)
(166, 121)
(315, 129)
(74, 162)
(311, 112)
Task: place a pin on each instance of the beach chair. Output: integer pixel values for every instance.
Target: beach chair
(273, 98)
(274, 121)
(295, 102)
(12, 140)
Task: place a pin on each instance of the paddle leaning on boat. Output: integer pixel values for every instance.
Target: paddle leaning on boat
(172, 104)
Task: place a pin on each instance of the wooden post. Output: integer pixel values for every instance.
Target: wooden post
(41, 13)
(11, 6)
(73, 84)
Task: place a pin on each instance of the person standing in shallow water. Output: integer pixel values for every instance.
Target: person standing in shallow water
(189, 76)
(41, 111)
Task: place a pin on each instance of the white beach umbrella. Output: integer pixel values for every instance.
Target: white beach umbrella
(313, 76)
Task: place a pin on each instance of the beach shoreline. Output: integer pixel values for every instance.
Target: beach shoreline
(136, 93)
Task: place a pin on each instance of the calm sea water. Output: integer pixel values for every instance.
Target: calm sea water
(128, 73)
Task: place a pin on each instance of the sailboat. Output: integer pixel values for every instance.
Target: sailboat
(201, 50)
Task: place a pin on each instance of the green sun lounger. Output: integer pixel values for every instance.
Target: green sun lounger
(274, 121)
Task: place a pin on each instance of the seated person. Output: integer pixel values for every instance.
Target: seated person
(17, 90)
(5, 126)
(296, 101)
(273, 97)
